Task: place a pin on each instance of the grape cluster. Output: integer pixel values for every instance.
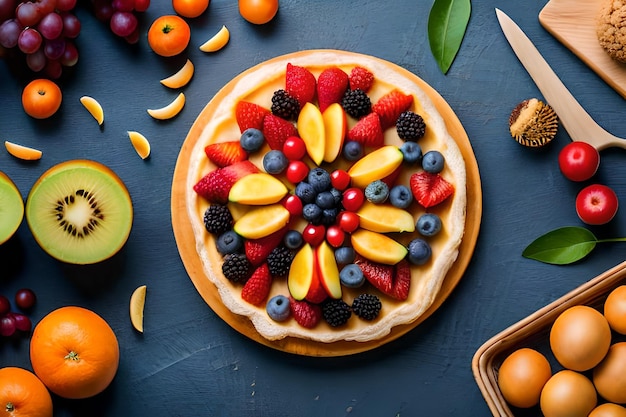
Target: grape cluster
(12, 322)
(121, 16)
(42, 31)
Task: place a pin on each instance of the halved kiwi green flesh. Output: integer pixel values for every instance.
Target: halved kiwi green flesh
(11, 208)
(80, 212)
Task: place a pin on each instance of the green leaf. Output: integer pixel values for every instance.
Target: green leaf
(562, 246)
(447, 23)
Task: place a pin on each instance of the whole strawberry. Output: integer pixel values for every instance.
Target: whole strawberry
(225, 153)
(368, 131)
(257, 288)
(276, 131)
(300, 83)
(216, 185)
(250, 115)
(331, 85)
(390, 106)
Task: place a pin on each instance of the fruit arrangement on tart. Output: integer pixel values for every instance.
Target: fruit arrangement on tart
(325, 197)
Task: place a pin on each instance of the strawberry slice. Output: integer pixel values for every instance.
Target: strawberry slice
(300, 83)
(390, 106)
(250, 115)
(368, 131)
(379, 275)
(257, 250)
(257, 288)
(276, 131)
(225, 153)
(216, 185)
(402, 280)
(331, 85)
(360, 78)
(306, 314)
(430, 189)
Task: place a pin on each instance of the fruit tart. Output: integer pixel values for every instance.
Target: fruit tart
(326, 197)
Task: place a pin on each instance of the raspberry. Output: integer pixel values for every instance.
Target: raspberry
(366, 306)
(361, 78)
(304, 313)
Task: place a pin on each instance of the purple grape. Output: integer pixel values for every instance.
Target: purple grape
(7, 325)
(36, 61)
(46, 6)
(70, 56)
(9, 33)
(22, 322)
(7, 9)
(103, 10)
(66, 5)
(71, 25)
(124, 5)
(53, 69)
(5, 305)
(28, 14)
(123, 23)
(29, 41)
(51, 26)
(25, 298)
(54, 48)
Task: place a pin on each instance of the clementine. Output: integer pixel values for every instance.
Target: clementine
(258, 11)
(74, 352)
(23, 394)
(169, 35)
(190, 8)
(41, 98)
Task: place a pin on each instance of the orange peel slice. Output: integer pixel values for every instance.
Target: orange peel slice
(217, 41)
(140, 143)
(169, 111)
(137, 304)
(23, 152)
(94, 108)
(181, 77)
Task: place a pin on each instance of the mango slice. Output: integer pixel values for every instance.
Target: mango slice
(217, 41)
(378, 247)
(257, 189)
(94, 108)
(312, 131)
(375, 166)
(140, 143)
(384, 218)
(137, 303)
(169, 111)
(262, 221)
(23, 152)
(181, 77)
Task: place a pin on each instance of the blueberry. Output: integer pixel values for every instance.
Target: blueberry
(329, 216)
(428, 224)
(432, 162)
(419, 251)
(338, 195)
(351, 276)
(319, 179)
(252, 139)
(352, 150)
(325, 200)
(400, 196)
(344, 255)
(293, 239)
(275, 162)
(411, 152)
(312, 213)
(377, 191)
(278, 308)
(305, 192)
(229, 242)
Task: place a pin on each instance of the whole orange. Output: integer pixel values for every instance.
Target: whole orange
(169, 35)
(41, 98)
(74, 352)
(22, 394)
(190, 8)
(258, 11)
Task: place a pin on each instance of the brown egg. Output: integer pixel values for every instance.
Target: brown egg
(615, 309)
(609, 376)
(568, 394)
(521, 377)
(608, 410)
(580, 337)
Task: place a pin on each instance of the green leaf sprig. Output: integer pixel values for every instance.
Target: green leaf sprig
(447, 23)
(564, 245)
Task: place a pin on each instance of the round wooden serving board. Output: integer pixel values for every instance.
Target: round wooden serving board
(186, 241)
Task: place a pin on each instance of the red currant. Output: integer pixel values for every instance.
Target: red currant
(296, 171)
(353, 199)
(293, 204)
(314, 234)
(340, 179)
(348, 221)
(294, 148)
(335, 236)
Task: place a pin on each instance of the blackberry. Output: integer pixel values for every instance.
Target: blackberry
(237, 268)
(217, 219)
(336, 312)
(279, 261)
(366, 306)
(285, 105)
(356, 103)
(410, 126)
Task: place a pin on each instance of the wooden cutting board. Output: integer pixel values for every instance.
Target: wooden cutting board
(573, 23)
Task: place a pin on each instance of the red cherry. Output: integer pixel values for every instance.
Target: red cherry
(596, 204)
(297, 171)
(335, 236)
(340, 179)
(579, 161)
(352, 199)
(314, 234)
(293, 204)
(294, 148)
(348, 221)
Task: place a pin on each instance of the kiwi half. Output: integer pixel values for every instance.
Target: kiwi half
(80, 212)
(11, 208)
